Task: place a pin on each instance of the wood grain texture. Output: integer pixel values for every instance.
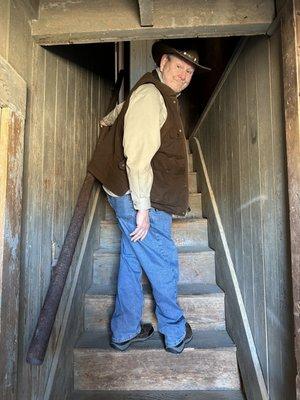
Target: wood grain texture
(11, 167)
(12, 88)
(157, 395)
(203, 312)
(59, 138)
(186, 234)
(250, 188)
(90, 21)
(141, 60)
(194, 267)
(290, 35)
(235, 313)
(146, 12)
(148, 369)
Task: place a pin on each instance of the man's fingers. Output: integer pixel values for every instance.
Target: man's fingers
(139, 234)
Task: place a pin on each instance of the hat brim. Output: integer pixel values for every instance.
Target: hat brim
(159, 49)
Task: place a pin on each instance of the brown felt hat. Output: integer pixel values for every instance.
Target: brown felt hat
(179, 49)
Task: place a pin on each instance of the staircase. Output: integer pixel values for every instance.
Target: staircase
(207, 368)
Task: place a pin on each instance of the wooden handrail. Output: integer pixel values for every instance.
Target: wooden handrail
(39, 342)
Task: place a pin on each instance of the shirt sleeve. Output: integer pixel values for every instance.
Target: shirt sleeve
(110, 118)
(141, 141)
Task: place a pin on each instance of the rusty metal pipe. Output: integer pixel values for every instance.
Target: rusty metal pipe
(39, 343)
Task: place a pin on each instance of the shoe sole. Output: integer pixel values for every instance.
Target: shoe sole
(181, 348)
(123, 347)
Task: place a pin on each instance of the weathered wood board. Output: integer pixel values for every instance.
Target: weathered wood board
(94, 21)
(241, 136)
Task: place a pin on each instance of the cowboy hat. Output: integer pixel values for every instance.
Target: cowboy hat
(179, 49)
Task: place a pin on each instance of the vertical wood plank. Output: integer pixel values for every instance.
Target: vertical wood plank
(245, 192)
(11, 167)
(290, 28)
(68, 155)
(254, 132)
(49, 243)
(282, 272)
(30, 273)
(4, 24)
(230, 126)
(141, 60)
(235, 172)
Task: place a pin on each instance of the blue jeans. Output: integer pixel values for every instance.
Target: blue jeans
(157, 256)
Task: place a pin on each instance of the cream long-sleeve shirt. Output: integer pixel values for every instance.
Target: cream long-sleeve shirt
(143, 120)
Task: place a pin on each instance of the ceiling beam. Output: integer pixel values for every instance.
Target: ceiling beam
(146, 12)
(93, 21)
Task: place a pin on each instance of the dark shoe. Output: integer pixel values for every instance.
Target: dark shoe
(180, 346)
(146, 332)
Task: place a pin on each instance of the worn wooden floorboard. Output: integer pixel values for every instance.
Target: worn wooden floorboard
(158, 395)
(201, 339)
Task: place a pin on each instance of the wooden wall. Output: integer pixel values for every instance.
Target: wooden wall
(141, 60)
(67, 94)
(242, 138)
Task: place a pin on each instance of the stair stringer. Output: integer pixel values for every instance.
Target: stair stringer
(237, 323)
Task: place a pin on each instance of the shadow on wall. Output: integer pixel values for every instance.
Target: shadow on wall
(97, 58)
(214, 53)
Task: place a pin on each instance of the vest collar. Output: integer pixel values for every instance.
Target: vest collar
(158, 76)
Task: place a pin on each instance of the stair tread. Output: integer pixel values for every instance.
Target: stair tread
(182, 221)
(184, 290)
(197, 249)
(187, 289)
(194, 369)
(202, 339)
(157, 395)
(211, 394)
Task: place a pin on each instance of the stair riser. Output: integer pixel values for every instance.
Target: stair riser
(194, 202)
(185, 234)
(193, 182)
(194, 369)
(190, 162)
(194, 268)
(202, 312)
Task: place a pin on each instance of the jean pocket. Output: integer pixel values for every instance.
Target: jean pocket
(123, 206)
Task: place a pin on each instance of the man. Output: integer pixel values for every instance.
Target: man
(142, 164)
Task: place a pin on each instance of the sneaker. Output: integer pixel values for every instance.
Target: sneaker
(180, 346)
(146, 332)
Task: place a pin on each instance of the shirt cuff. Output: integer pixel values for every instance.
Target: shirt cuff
(143, 203)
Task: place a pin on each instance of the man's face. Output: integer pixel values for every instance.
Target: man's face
(176, 72)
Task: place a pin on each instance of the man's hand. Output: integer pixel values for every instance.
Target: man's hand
(142, 226)
(102, 123)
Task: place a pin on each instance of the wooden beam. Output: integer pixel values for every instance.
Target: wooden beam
(146, 12)
(92, 21)
(290, 28)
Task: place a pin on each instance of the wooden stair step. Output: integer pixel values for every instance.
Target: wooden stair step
(146, 369)
(190, 162)
(194, 202)
(204, 311)
(193, 187)
(157, 395)
(186, 233)
(194, 267)
(182, 289)
(206, 339)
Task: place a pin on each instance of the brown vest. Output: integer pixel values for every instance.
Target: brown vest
(170, 171)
